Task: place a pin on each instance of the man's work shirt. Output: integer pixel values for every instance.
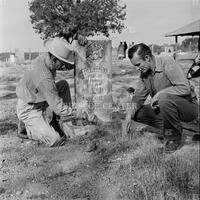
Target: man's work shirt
(168, 77)
(38, 86)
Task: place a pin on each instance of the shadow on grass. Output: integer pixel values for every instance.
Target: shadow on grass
(10, 87)
(9, 78)
(9, 96)
(7, 126)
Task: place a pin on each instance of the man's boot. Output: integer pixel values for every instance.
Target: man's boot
(21, 131)
(196, 137)
(55, 123)
(60, 142)
(173, 140)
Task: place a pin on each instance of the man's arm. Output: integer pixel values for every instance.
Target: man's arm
(49, 91)
(139, 97)
(176, 76)
(137, 101)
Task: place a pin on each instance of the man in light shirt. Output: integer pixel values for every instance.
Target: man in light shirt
(38, 90)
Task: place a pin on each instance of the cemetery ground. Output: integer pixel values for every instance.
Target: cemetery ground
(122, 168)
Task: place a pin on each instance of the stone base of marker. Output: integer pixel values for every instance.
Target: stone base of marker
(73, 131)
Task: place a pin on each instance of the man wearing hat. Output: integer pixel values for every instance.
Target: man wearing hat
(172, 98)
(37, 90)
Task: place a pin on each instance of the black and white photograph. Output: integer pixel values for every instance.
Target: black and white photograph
(99, 99)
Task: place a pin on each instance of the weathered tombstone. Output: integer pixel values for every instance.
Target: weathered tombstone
(12, 59)
(93, 80)
(19, 56)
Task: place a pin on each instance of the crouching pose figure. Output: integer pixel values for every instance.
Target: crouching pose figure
(172, 98)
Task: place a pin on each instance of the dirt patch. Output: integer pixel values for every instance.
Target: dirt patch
(10, 87)
(8, 96)
(5, 127)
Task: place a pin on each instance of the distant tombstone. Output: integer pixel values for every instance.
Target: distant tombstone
(19, 56)
(93, 79)
(12, 58)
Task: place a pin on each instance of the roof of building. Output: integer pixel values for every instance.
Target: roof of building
(190, 29)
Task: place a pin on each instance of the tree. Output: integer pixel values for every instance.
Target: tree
(190, 44)
(68, 17)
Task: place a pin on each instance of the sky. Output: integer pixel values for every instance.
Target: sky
(147, 21)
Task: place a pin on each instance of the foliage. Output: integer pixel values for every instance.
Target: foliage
(190, 44)
(68, 17)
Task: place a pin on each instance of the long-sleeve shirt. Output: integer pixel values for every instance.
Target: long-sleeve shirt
(38, 85)
(168, 77)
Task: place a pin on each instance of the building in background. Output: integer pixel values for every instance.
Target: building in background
(4, 57)
(192, 29)
(12, 59)
(18, 57)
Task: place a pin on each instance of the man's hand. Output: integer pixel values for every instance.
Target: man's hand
(126, 125)
(82, 40)
(154, 100)
(71, 115)
(130, 127)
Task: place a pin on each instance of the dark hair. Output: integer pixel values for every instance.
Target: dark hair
(51, 55)
(142, 50)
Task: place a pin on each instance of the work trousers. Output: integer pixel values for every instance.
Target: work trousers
(173, 110)
(37, 125)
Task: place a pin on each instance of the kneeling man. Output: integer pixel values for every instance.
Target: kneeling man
(37, 90)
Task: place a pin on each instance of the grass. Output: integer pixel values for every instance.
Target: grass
(144, 171)
(7, 126)
(9, 79)
(153, 174)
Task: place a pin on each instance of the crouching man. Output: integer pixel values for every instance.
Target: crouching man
(164, 80)
(37, 90)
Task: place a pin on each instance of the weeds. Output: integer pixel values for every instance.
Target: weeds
(158, 175)
(182, 172)
(5, 127)
(9, 79)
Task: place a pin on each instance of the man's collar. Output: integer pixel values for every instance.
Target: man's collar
(157, 67)
(158, 64)
(48, 64)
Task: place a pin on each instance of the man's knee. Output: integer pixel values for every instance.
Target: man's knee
(164, 99)
(50, 139)
(55, 139)
(41, 130)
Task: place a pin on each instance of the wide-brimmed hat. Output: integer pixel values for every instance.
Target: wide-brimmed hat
(61, 49)
(194, 71)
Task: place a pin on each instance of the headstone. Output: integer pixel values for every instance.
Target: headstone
(12, 58)
(93, 79)
(19, 56)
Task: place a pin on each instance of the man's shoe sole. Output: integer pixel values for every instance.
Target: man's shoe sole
(22, 136)
(178, 147)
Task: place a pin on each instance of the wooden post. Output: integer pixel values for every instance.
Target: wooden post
(93, 79)
(75, 84)
(176, 43)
